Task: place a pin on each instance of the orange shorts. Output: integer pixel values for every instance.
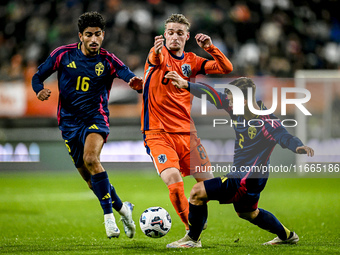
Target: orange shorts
(183, 151)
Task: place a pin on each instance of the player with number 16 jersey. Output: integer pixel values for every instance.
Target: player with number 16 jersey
(85, 75)
(84, 83)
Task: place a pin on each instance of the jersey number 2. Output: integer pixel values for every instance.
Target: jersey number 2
(240, 141)
(83, 83)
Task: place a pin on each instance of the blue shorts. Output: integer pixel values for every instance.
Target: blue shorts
(232, 190)
(75, 139)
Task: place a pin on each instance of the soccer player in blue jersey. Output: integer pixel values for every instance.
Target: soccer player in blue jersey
(253, 146)
(85, 75)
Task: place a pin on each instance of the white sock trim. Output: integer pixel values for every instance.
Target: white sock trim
(124, 210)
(109, 216)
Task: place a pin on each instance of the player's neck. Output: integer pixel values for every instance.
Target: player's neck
(177, 53)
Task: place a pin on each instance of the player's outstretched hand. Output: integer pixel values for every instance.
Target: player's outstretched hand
(136, 83)
(305, 150)
(158, 44)
(203, 40)
(177, 80)
(44, 94)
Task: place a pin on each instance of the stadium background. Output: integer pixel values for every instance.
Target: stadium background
(45, 207)
(266, 40)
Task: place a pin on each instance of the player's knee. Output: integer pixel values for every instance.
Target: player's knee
(197, 194)
(90, 160)
(249, 216)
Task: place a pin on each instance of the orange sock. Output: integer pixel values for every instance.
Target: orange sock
(179, 201)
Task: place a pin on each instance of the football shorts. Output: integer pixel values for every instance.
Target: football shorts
(183, 151)
(231, 190)
(75, 140)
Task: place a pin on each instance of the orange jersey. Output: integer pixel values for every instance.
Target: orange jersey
(166, 107)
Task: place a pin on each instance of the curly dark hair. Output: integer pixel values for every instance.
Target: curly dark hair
(90, 19)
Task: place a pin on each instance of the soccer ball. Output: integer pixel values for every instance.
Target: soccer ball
(155, 222)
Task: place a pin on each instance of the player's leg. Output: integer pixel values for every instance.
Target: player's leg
(195, 158)
(198, 213)
(198, 160)
(221, 189)
(86, 175)
(198, 210)
(102, 187)
(99, 178)
(173, 179)
(265, 220)
(81, 149)
(116, 203)
(162, 149)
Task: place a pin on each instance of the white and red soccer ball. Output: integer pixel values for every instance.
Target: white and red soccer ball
(155, 222)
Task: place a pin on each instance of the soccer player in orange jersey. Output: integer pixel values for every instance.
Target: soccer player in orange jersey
(170, 135)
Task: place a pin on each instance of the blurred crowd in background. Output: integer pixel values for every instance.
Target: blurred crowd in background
(260, 37)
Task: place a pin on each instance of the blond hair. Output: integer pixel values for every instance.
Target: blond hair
(178, 18)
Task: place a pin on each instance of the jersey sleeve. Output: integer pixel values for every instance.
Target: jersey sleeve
(220, 64)
(122, 71)
(273, 127)
(220, 100)
(155, 59)
(44, 71)
(125, 73)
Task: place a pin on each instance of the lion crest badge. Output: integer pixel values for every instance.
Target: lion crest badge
(186, 70)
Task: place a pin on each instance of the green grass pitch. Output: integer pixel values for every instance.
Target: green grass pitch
(55, 213)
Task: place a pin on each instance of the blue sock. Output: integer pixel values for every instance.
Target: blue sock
(102, 188)
(269, 222)
(116, 202)
(198, 214)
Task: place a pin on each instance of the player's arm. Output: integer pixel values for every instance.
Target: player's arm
(285, 139)
(123, 72)
(44, 71)
(155, 56)
(220, 64)
(218, 99)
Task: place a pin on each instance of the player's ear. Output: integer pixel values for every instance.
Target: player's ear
(80, 36)
(188, 36)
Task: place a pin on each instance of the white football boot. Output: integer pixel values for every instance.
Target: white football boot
(111, 228)
(129, 224)
(292, 240)
(185, 242)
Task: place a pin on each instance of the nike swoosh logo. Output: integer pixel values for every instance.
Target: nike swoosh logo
(168, 65)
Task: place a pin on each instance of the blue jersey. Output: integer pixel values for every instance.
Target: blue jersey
(255, 139)
(84, 83)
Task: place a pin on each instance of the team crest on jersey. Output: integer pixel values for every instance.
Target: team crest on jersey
(162, 158)
(252, 131)
(99, 68)
(186, 70)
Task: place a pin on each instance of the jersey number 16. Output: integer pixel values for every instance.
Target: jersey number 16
(83, 83)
